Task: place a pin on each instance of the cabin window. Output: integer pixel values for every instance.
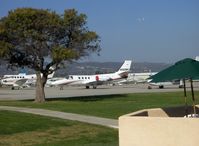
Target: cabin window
(79, 78)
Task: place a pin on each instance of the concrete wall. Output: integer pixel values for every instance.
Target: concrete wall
(154, 127)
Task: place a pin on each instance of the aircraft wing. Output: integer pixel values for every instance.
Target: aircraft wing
(62, 82)
(20, 82)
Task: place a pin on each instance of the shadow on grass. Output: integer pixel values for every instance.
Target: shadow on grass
(87, 98)
(83, 98)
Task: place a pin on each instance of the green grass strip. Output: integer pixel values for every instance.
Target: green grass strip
(109, 106)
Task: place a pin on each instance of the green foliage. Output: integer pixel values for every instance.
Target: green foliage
(60, 53)
(4, 48)
(71, 19)
(28, 35)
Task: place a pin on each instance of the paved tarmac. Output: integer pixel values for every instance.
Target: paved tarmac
(53, 92)
(68, 116)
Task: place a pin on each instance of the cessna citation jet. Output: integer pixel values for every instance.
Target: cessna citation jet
(137, 78)
(21, 80)
(95, 80)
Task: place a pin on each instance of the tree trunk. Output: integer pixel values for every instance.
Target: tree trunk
(40, 94)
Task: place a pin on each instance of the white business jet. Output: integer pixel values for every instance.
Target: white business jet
(95, 80)
(137, 78)
(21, 80)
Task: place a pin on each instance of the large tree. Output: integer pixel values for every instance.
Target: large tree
(28, 36)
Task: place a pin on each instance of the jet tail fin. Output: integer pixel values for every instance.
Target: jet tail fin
(197, 58)
(126, 66)
(52, 74)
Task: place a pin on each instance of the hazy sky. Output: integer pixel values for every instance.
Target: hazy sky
(141, 30)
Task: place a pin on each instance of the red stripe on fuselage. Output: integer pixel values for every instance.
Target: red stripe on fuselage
(97, 78)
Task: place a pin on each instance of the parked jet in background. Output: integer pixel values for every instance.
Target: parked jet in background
(137, 78)
(20, 80)
(197, 58)
(161, 85)
(95, 80)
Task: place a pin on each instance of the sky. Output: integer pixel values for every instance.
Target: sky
(163, 31)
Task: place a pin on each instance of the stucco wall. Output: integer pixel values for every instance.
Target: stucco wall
(154, 128)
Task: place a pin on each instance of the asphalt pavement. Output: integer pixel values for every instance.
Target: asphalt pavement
(55, 92)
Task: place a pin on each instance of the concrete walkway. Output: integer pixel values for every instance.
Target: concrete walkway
(68, 116)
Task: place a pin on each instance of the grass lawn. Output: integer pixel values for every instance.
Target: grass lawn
(110, 106)
(18, 129)
(26, 129)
